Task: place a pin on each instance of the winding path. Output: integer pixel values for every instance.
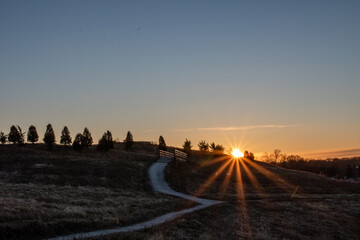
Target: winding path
(156, 174)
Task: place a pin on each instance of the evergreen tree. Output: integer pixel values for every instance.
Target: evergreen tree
(162, 144)
(32, 135)
(65, 136)
(106, 142)
(3, 138)
(22, 136)
(14, 135)
(49, 136)
(129, 141)
(203, 146)
(86, 138)
(77, 142)
(187, 147)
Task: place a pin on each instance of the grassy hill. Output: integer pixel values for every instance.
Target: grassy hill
(47, 193)
(44, 194)
(264, 202)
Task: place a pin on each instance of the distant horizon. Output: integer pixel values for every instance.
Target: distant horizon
(258, 75)
(318, 155)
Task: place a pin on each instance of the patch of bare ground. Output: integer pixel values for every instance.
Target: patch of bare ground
(45, 194)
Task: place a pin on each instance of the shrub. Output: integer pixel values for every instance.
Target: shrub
(203, 146)
(65, 136)
(217, 148)
(3, 138)
(187, 147)
(32, 135)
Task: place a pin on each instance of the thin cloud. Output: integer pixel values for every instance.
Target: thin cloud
(239, 128)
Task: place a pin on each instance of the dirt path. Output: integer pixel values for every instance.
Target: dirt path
(156, 175)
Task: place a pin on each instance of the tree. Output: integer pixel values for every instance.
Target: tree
(49, 136)
(22, 136)
(14, 135)
(203, 146)
(187, 147)
(77, 142)
(3, 138)
(276, 155)
(106, 142)
(249, 155)
(32, 135)
(65, 136)
(86, 139)
(162, 144)
(129, 141)
(217, 148)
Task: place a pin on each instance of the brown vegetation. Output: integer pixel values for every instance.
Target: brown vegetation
(44, 194)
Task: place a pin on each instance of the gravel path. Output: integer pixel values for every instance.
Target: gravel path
(156, 174)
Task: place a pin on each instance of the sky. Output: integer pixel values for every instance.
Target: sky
(255, 74)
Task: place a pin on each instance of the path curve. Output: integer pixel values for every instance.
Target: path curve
(157, 178)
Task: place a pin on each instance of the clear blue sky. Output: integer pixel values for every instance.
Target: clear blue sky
(261, 74)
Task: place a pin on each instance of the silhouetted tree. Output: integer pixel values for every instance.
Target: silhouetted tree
(106, 142)
(86, 139)
(49, 136)
(162, 144)
(77, 143)
(129, 141)
(32, 135)
(14, 135)
(251, 156)
(276, 155)
(203, 146)
(217, 148)
(65, 136)
(187, 147)
(22, 136)
(3, 138)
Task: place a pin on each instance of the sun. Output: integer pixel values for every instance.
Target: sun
(237, 153)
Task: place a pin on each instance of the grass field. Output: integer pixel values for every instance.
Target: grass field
(44, 194)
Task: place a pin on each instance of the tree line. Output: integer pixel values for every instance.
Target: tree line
(106, 142)
(343, 168)
(81, 140)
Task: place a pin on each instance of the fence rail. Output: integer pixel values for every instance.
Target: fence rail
(166, 154)
(180, 156)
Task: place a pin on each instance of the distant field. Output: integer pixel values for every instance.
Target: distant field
(44, 194)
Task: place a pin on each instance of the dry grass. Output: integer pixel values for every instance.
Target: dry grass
(321, 209)
(45, 194)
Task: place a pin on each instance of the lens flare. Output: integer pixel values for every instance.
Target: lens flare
(237, 153)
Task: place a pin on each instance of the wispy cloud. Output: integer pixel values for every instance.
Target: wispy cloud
(238, 128)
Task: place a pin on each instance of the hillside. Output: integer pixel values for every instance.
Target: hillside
(45, 194)
(48, 193)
